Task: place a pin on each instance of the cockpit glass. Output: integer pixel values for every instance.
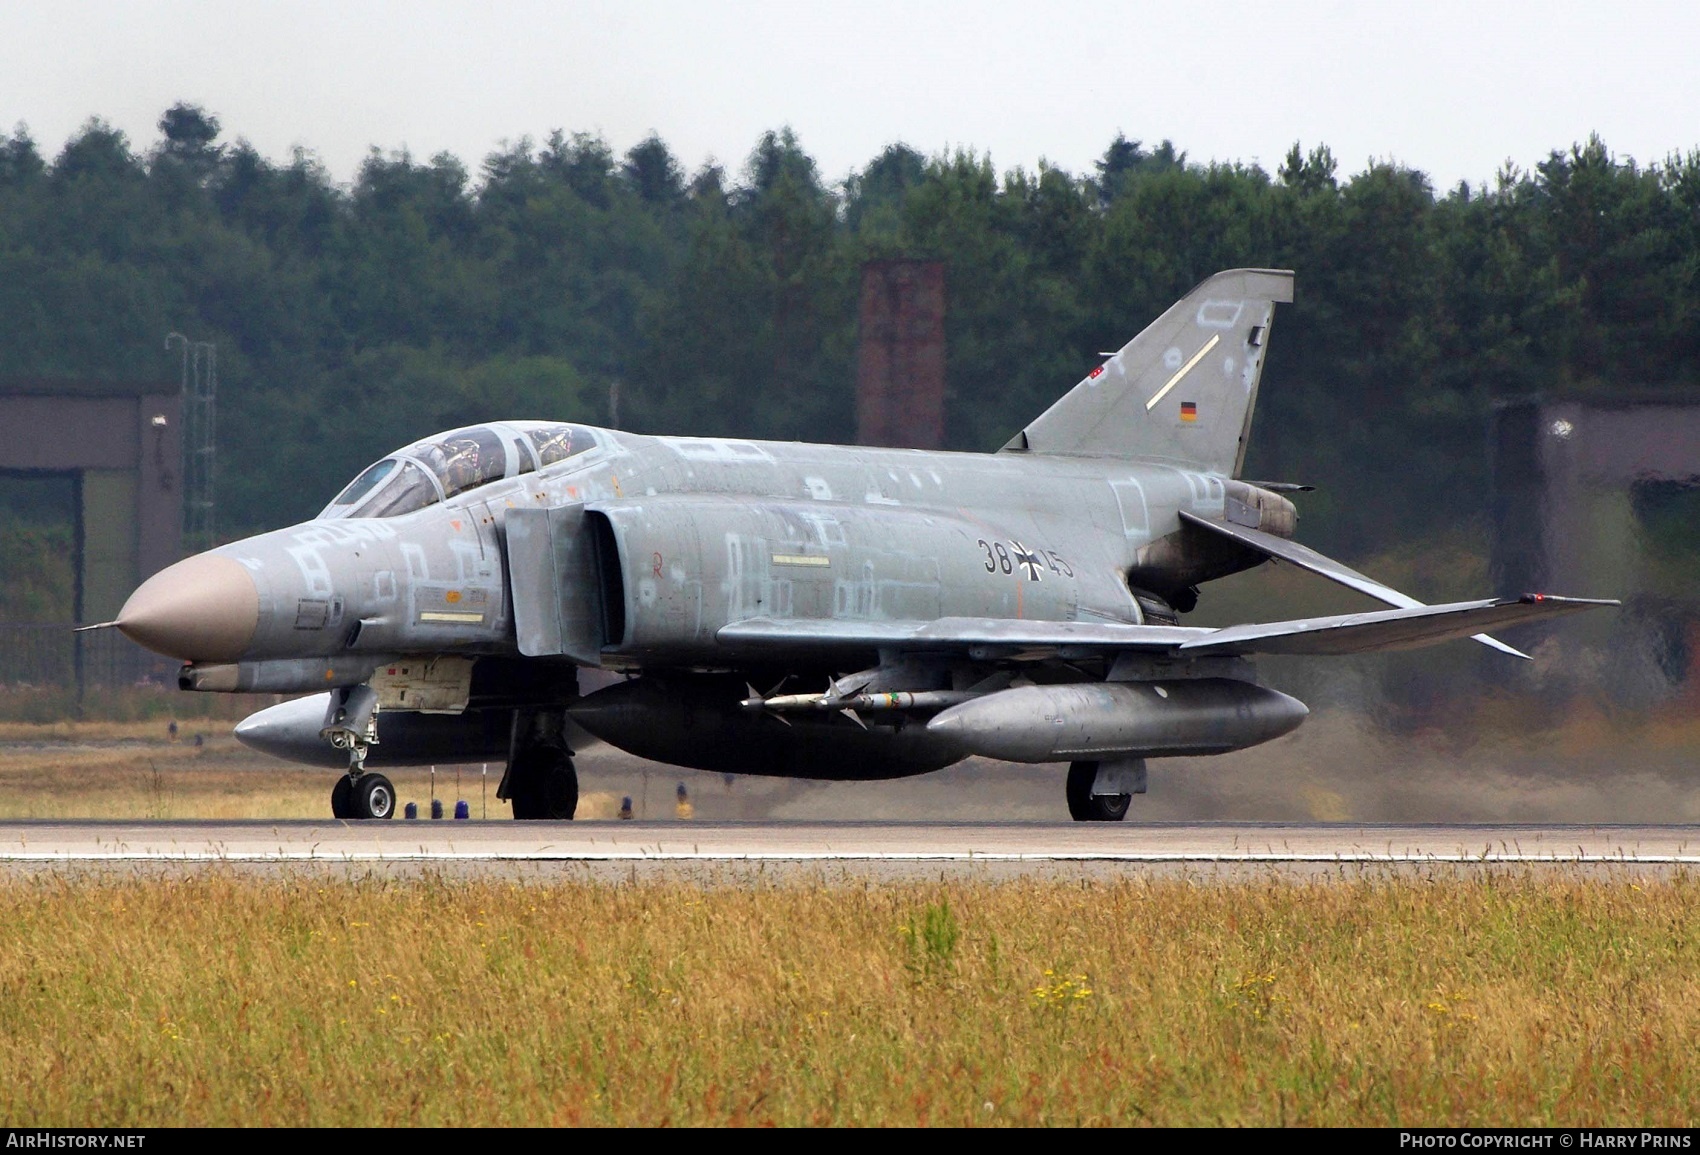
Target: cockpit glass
(362, 485)
(559, 442)
(410, 490)
(449, 463)
(463, 459)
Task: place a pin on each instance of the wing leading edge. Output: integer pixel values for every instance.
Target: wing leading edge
(1406, 627)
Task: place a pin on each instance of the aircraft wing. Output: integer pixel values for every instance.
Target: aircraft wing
(1283, 549)
(979, 637)
(1406, 628)
(1397, 629)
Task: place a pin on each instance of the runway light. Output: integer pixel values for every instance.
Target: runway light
(410, 811)
(462, 810)
(436, 808)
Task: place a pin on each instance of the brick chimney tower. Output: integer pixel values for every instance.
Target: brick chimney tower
(900, 356)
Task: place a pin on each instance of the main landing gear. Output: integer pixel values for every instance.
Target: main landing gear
(1103, 791)
(543, 784)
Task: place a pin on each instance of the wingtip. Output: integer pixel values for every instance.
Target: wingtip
(1554, 600)
(1560, 600)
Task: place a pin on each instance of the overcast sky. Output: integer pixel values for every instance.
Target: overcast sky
(1452, 88)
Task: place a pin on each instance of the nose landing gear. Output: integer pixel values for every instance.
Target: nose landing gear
(368, 796)
(351, 723)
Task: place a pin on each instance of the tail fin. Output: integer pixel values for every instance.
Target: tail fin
(1183, 390)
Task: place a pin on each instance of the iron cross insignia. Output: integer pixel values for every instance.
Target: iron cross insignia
(1027, 558)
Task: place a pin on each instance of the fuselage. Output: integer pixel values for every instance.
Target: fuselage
(750, 529)
(794, 609)
(964, 599)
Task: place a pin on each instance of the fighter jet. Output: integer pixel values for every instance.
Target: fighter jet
(812, 611)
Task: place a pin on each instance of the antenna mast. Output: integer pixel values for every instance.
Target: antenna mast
(200, 412)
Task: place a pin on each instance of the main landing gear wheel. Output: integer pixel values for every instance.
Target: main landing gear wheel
(368, 796)
(544, 785)
(1083, 805)
(342, 798)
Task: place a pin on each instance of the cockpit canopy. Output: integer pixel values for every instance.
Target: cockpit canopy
(443, 465)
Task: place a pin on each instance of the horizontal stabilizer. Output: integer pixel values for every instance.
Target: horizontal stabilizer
(1308, 559)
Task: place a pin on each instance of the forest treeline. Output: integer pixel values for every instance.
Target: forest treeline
(351, 319)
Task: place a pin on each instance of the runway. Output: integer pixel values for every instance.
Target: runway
(919, 844)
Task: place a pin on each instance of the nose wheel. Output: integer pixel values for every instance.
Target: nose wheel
(368, 796)
(351, 723)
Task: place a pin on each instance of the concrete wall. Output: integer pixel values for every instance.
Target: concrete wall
(1566, 473)
(128, 464)
(1563, 471)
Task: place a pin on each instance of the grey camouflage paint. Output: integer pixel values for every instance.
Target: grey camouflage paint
(1006, 593)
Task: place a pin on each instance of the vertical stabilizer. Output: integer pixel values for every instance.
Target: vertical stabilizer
(1183, 390)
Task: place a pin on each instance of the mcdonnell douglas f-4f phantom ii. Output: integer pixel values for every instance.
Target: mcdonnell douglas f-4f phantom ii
(790, 609)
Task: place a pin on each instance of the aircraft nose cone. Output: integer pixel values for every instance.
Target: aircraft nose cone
(203, 609)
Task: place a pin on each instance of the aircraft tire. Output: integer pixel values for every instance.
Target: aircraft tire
(373, 797)
(545, 785)
(1083, 805)
(342, 798)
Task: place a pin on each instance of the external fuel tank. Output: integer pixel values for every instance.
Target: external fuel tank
(1088, 720)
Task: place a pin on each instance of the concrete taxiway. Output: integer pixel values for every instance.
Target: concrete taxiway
(883, 849)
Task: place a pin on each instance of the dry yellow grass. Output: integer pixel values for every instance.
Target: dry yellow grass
(129, 770)
(138, 779)
(1595, 765)
(216, 999)
(100, 730)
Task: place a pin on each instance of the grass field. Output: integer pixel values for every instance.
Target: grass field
(219, 999)
(129, 770)
(1596, 766)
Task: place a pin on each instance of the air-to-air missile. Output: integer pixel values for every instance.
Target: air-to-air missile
(1024, 604)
